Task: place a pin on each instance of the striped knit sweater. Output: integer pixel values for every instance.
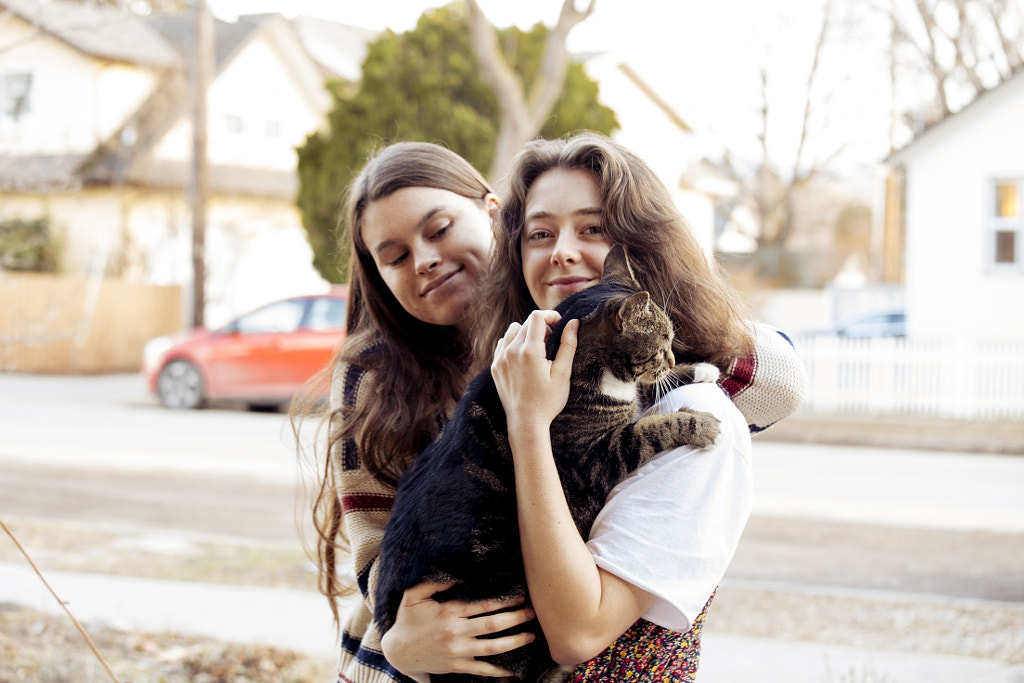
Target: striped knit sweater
(766, 387)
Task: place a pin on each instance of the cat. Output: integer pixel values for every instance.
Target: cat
(454, 516)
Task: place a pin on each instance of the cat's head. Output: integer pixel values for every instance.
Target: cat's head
(621, 328)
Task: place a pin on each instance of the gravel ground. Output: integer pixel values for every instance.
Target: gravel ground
(919, 624)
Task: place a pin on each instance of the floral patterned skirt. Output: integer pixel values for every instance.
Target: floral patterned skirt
(647, 653)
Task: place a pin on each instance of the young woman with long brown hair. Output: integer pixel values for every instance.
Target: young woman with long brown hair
(659, 548)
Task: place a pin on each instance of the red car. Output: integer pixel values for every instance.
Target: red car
(261, 358)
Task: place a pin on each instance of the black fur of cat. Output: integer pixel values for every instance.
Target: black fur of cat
(454, 516)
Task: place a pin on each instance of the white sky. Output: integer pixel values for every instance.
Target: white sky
(701, 56)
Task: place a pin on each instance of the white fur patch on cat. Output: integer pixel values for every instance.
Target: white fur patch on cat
(705, 372)
(616, 388)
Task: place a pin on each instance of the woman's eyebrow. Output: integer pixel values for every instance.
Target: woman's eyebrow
(587, 211)
(420, 224)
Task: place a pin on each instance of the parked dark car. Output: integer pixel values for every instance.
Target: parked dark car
(880, 323)
(261, 358)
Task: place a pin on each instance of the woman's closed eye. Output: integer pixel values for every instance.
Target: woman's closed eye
(441, 231)
(397, 261)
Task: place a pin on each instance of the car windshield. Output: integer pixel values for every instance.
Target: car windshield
(283, 316)
(326, 314)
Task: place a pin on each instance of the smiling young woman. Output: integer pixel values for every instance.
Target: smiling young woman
(627, 601)
(563, 241)
(431, 247)
(419, 224)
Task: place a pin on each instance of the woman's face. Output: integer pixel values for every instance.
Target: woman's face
(563, 241)
(431, 248)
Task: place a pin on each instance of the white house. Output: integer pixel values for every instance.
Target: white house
(96, 136)
(964, 225)
(660, 135)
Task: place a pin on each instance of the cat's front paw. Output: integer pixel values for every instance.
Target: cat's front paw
(706, 372)
(703, 427)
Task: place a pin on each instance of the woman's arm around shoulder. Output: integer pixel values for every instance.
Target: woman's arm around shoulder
(771, 383)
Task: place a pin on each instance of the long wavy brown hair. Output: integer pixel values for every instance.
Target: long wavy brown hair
(640, 214)
(418, 370)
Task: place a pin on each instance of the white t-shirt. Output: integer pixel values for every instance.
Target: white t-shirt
(672, 526)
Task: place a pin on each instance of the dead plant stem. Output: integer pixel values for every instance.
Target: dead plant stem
(63, 604)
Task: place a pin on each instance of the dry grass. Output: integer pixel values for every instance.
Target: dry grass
(49, 649)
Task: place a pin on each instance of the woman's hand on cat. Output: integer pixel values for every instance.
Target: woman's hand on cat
(533, 390)
(441, 637)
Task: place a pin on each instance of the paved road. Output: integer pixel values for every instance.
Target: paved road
(99, 449)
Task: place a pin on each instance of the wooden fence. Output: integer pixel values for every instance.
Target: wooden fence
(949, 378)
(61, 324)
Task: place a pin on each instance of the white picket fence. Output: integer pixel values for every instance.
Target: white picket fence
(952, 378)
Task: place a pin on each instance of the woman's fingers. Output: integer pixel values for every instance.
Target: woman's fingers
(547, 317)
(432, 636)
(425, 590)
(498, 622)
(566, 349)
(477, 608)
(478, 667)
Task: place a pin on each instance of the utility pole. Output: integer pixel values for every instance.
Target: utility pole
(202, 69)
(893, 218)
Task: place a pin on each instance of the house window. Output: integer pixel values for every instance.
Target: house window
(233, 123)
(1007, 224)
(273, 129)
(15, 94)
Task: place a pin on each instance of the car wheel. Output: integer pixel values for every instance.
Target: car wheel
(180, 385)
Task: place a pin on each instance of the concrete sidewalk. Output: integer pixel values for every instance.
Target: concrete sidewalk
(1005, 437)
(300, 620)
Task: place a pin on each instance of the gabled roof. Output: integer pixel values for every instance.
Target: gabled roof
(128, 159)
(164, 42)
(100, 31)
(228, 37)
(979, 102)
(339, 49)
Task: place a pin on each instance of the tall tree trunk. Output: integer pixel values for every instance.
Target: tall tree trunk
(522, 114)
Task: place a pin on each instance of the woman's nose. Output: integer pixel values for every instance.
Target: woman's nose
(566, 249)
(426, 260)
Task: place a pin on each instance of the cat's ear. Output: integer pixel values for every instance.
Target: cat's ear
(617, 268)
(633, 307)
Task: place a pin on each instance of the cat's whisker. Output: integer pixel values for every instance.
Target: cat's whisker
(666, 384)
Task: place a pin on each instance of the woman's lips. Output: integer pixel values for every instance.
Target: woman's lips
(439, 281)
(574, 283)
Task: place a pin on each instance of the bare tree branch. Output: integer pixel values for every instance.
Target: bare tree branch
(811, 78)
(1011, 48)
(522, 116)
(980, 46)
(927, 16)
(548, 86)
